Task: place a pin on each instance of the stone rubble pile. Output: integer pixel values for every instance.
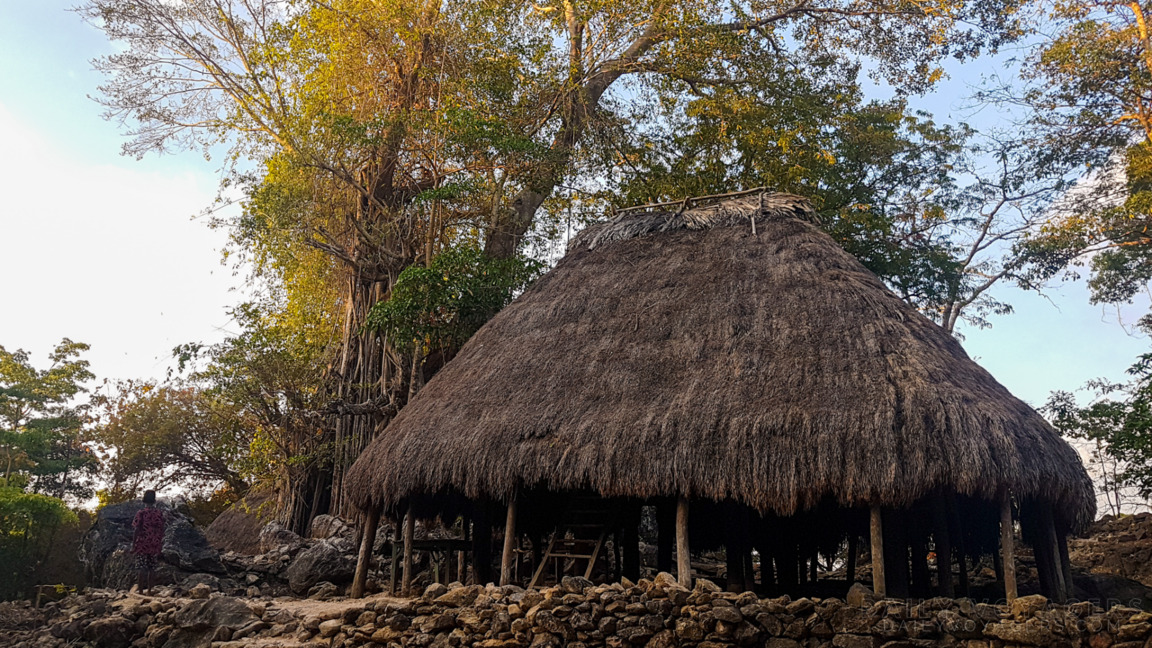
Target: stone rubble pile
(661, 614)
(105, 549)
(653, 613)
(1120, 546)
(284, 563)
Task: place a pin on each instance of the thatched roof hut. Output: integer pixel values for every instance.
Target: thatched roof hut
(728, 352)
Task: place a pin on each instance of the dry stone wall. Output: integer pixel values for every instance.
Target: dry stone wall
(660, 614)
(1121, 546)
(577, 614)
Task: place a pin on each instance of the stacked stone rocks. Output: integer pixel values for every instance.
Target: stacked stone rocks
(1121, 546)
(660, 614)
(652, 613)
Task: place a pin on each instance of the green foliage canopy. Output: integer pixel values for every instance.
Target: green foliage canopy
(28, 523)
(1118, 423)
(907, 196)
(172, 434)
(1090, 105)
(40, 428)
(440, 306)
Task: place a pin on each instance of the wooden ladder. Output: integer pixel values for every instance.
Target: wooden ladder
(588, 525)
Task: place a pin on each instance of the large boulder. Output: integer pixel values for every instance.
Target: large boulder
(1108, 590)
(330, 526)
(186, 547)
(327, 560)
(215, 612)
(274, 537)
(112, 632)
(199, 621)
(106, 548)
(238, 527)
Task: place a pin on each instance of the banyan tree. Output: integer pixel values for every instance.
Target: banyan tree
(730, 365)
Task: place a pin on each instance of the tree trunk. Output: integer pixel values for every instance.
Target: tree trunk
(580, 104)
(358, 379)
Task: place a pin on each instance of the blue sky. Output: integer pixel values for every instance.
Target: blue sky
(104, 249)
(95, 246)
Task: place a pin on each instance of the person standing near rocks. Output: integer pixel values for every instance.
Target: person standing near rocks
(147, 542)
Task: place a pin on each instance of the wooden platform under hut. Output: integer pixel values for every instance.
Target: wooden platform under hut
(724, 374)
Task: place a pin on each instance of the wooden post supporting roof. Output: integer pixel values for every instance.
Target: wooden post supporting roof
(365, 558)
(959, 550)
(1046, 548)
(683, 557)
(666, 535)
(877, 527)
(509, 544)
(749, 575)
(1065, 562)
(921, 579)
(1007, 550)
(895, 552)
(787, 555)
(409, 533)
(482, 545)
(1064, 587)
(630, 541)
(767, 548)
(733, 548)
(394, 566)
(943, 541)
(853, 550)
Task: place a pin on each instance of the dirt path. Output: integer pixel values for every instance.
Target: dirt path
(305, 608)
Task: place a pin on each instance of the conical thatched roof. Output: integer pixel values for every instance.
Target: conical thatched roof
(685, 353)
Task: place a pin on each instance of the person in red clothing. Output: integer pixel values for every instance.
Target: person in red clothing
(147, 542)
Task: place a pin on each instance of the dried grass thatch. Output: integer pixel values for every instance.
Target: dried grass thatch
(727, 351)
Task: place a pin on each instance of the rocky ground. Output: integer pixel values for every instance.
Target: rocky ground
(277, 562)
(287, 590)
(115, 618)
(652, 613)
(1120, 546)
